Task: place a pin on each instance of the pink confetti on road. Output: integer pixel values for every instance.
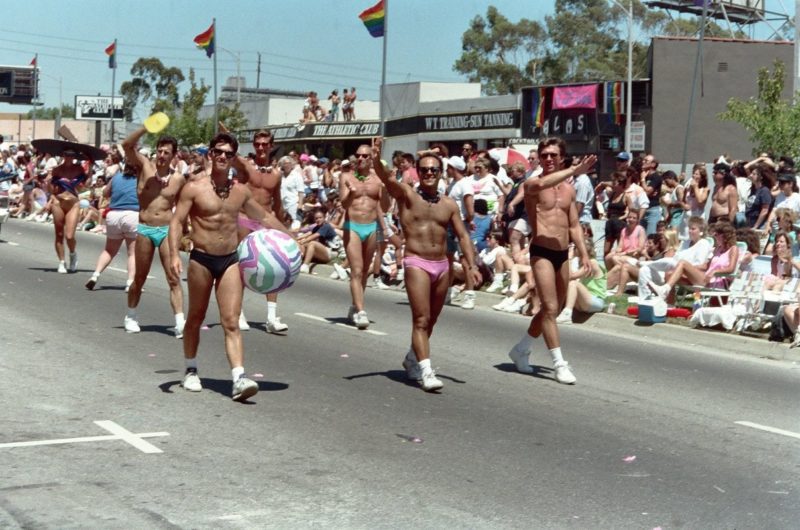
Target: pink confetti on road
(629, 459)
(204, 327)
(258, 375)
(344, 356)
(151, 354)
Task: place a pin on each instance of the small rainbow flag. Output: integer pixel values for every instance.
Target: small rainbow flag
(33, 62)
(537, 107)
(373, 18)
(111, 51)
(205, 41)
(614, 101)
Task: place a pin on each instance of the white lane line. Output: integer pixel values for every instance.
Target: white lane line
(768, 429)
(11, 243)
(149, 277)
(346, 326)
(60, 441)
(127, 436)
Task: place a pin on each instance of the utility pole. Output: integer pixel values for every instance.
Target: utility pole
(796, 49)
(258, 69)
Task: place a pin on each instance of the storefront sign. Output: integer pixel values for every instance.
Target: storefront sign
(319, 131)
(97, 108)
(465, 121)
(638, 136)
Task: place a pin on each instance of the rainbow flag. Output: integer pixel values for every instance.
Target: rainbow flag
(613, 103)
(205, 41)
(537, 107)
(33, 62)
(111, 51)
(373, 18)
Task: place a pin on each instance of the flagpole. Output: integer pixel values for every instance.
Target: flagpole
(697, 60)
(35, 92)
(216, 101)
(383, 69)
(113, 87)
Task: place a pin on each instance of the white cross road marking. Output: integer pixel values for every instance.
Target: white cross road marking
(118, 433)
(12, 243)
(768, 429)
(346, 326)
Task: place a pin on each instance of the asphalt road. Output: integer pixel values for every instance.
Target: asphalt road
(647, 438)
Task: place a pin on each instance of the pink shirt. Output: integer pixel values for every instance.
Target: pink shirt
(630, 240)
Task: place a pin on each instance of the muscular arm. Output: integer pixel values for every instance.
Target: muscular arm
(557, 177)
(182, 207)
(129, 146)
(733, 203)
(395, 189)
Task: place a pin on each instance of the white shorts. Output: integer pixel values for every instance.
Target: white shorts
(521, 225)
(122, 224)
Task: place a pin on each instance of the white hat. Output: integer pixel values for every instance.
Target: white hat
(457, 162)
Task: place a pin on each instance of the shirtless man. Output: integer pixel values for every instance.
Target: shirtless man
(553, 218)
(425, 216)
(362, 196)
(264, 182)
(157, 186)
(213, 201)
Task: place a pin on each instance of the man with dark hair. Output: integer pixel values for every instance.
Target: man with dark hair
(553, 217)
(650, 181)
(157, 188)
(213, 201)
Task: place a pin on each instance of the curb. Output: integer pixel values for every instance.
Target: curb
(707, 339)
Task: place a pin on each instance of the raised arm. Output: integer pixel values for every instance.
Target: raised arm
(557, 177)
(129, 147)
(395, 189)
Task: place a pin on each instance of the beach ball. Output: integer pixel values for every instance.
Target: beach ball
(84, 203)
(269, 261)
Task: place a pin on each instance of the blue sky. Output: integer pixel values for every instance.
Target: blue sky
(305, 45)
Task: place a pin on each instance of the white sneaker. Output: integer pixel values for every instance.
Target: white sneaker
(503, 304)
(564, 374)
(521, 360)
(361, 320)
(661, 290)
(62, 268)
(243, 325)
(378, 284)
(565, 317)
(401, 275)
(305, 269)
(429, 382)
(191, 382)
(796, 340)
(411, 366)
(452, 294)
(340, 271)
(276, 326)
(179, 330)
(469, 300)
(73, 262)
(131, 325)
(334, 275)
(495, 287)
(244, 388)
(515, 306)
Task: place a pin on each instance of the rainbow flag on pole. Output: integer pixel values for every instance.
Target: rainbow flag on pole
(613, 103)
(205, 41)
(373, 18)
(537, 107)
(111, 51)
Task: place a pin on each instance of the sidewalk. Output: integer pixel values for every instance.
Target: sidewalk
(703, 339)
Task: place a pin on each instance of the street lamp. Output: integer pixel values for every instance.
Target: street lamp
(238, 73)
(629, 90)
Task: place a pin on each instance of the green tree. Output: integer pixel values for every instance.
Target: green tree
(152, 84)
(773, 122)
(499, 54)
(51, 113)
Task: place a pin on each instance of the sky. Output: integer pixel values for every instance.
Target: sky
(305, 45)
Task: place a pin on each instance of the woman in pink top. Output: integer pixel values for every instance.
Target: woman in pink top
(631, 243)
(724, 261)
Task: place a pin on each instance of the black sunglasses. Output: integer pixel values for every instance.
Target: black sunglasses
(363, 155)
(430, 169)
(549, 155)
(218, 152)
(261, 144)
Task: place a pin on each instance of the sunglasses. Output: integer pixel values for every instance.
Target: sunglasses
(262, 144)
(430, 169)
(219, 152)
(363, 155)
(549, 155)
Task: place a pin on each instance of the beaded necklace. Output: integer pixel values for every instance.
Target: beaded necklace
(223, 191)
(430, 199)
(360, 177)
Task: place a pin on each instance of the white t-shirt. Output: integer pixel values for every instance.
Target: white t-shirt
(792, 202)
(291, 186)
(488, 190)
(696, 254)
(458, 191)
(489, 255)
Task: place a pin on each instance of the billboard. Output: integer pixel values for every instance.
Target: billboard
(17, 85)
(97, 108)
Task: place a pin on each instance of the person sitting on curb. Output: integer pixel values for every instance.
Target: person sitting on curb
(318, 244)
(585, 292)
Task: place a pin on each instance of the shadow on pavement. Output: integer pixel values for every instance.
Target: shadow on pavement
(399, 376)
(223, 386)
(540, 372)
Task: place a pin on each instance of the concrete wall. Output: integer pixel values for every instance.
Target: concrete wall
(672, 71)
(13, 129)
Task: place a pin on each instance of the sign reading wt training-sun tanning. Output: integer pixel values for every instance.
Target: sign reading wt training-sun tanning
(97, 108)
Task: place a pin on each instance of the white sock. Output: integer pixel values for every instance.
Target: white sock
(179, 319)
(513, 288)
(236, 373)
(498, 278)
(525, 343)
(129, 282)
(425, 365)
(95, 274)
(555, 353)
(272, 311)
(132, 312)
(191, 364)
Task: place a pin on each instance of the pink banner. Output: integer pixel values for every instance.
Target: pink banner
(575, 97)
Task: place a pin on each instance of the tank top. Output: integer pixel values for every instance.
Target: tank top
(597, 286)
(616, 209)
(123, 193)
(629, 241)
(720, 260)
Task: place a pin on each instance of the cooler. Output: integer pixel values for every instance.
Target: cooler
(653, 311)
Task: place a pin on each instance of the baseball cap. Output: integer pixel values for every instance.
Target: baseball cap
(624, 155)
(323, 160)
(786, 177)
(201, 150)
(457, 162)
(304, 158)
